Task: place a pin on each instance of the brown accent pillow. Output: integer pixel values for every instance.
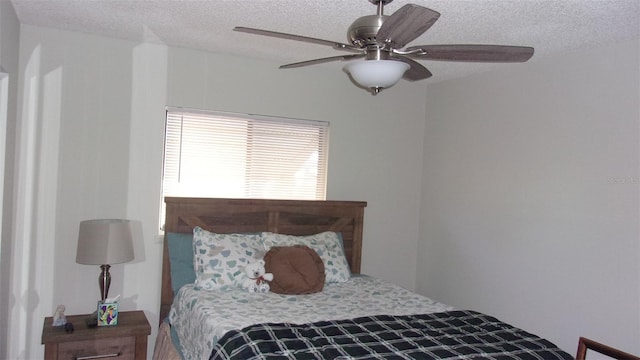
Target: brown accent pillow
(296, 270)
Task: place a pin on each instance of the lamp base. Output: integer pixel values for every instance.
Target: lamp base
(104, 281)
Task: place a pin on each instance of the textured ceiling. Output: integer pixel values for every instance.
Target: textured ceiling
(550, 26)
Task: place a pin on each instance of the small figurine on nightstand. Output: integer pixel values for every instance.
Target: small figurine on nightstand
(58, 317)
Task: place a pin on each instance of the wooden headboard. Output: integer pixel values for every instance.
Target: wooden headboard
(292, 217)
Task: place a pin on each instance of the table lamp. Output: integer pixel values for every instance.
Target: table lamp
(104, 242)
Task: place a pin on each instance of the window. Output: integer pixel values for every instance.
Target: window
(215, 154)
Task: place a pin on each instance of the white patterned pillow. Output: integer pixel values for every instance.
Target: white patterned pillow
(326, 244)
(219, 259)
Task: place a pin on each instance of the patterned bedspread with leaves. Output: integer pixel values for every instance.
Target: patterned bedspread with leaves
(200, 318)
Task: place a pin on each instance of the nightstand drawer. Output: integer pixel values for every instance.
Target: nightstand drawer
(109, 348)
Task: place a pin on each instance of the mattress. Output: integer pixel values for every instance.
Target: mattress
(201, 318)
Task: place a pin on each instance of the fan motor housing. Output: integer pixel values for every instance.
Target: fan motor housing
(363, 31)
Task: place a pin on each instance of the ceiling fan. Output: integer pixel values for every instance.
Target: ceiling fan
(379, 40)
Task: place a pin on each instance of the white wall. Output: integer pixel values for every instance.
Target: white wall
(517, 162)
(90, 146)
(531, 196)
(9, 45)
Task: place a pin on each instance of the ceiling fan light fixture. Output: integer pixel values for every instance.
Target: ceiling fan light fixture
(377, 74)
(381, 40)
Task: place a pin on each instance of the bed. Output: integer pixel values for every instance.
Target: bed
(354, 316)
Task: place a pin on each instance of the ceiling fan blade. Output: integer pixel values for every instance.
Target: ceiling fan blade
(406, 24)
(333, 44)
(416, 72)
(322, 60)
(473, 53)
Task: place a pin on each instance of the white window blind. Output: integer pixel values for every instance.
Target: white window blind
(214, 154)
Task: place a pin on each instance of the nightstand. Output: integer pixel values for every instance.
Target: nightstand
(127, 340)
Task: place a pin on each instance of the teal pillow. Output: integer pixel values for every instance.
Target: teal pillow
(181, 258)
(342, 246)
(340, 240)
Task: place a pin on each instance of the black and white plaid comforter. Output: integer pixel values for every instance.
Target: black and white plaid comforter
(445, 335)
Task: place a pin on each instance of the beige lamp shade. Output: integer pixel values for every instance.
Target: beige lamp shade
(104, 241)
